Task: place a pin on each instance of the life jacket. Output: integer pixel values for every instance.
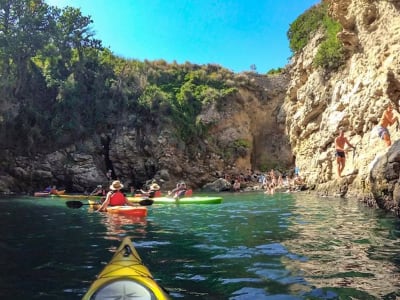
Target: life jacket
(117, 198)
(181, 192)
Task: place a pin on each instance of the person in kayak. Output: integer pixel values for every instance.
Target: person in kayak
(179, 191)
(99, 191)
(154, 191)
(115, 197)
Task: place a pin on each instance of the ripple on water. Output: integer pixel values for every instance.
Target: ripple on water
(248, 293)
(237, 252)
(149, 244)
(272, 249)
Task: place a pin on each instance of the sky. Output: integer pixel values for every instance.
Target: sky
(232, 33)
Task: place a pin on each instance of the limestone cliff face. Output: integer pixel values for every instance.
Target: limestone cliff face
(318, 103)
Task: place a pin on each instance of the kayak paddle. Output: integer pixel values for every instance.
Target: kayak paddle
(78, 204)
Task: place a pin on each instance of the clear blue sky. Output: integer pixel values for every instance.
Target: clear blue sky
(232, 33)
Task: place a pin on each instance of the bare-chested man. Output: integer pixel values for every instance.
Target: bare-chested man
(340, 153)
(386, 120)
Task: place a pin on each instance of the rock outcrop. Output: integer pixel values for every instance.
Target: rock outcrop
(318, 103)
(245, 130)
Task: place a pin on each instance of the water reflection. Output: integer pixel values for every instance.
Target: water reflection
(344, 248)
(252, 246)
(117, 225)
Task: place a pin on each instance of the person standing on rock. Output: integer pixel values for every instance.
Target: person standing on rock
(340, 153)
(386, 120)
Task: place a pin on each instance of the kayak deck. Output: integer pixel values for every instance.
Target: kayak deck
(138, 211)
(125, 277)
(50, 193)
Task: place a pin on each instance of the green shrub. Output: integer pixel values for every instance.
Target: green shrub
(275, 71)
(301, 30)
(330, 53)
(241, 143)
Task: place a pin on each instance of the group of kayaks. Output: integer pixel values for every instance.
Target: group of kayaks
(125, 276)
(140, 210)
(49, 193)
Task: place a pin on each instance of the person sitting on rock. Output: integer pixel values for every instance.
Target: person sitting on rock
(236, 185)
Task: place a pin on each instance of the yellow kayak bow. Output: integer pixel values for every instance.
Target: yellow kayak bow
(125, 277)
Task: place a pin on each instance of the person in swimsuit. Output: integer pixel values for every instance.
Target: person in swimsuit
(340, 153)
(386, 120)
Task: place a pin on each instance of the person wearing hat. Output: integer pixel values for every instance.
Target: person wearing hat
(115, 197)
(154, 191)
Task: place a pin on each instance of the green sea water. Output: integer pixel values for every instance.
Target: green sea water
(252, 246)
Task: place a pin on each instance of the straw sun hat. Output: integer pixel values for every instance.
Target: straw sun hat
(154, 186)
(116, 185)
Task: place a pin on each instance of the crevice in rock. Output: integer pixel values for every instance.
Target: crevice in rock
(105, 142)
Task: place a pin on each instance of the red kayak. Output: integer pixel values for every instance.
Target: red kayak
(45, 194)
(137, 211)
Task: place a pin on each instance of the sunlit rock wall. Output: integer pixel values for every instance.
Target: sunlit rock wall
(319, 102)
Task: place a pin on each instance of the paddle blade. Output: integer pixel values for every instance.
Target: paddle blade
(74, 204)
(146, 202)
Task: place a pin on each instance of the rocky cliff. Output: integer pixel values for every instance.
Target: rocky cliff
(270, 122)
(246, 130)
(354, 97)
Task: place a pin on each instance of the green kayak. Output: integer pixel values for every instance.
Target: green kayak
(184, 200)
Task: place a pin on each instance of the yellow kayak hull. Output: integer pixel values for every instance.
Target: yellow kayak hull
(125, 276)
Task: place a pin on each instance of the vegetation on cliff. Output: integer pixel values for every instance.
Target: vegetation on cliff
(59, 85)
(330, 51)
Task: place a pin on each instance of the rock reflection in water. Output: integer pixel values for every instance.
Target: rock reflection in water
(345, 254)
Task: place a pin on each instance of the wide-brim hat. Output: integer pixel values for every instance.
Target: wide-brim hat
(116, 185)
(154, 186)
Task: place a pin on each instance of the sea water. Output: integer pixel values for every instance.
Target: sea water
(251, 246)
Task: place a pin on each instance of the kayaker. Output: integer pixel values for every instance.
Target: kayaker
(52, 190)
(179, 191)
(154, 190)
(115, 197)
(99, 191)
